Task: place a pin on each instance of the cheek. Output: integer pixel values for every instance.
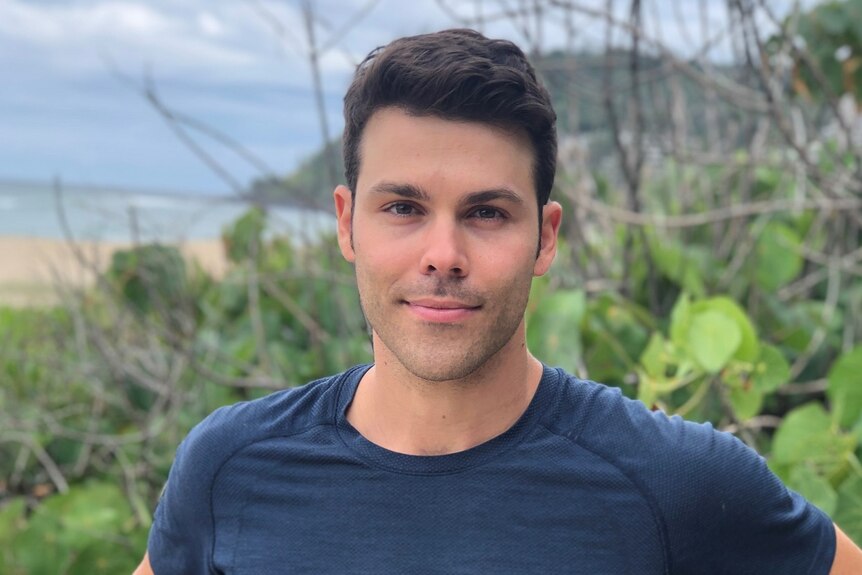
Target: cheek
(378, 266)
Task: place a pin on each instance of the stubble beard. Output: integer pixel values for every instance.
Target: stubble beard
(445, 352)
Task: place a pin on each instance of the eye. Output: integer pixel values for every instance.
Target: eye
(487, 213)
(402, 209)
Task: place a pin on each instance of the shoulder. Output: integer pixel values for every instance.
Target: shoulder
(282, 413)
(715, 498)
(181, 538)
(623, 430)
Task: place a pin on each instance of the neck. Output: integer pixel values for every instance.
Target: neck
(406, 414)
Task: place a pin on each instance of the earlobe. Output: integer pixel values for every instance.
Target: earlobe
(552, 216)
(344, 219)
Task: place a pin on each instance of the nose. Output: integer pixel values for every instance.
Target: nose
(444, 251)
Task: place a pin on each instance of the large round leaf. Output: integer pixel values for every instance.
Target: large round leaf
(749, 347)
(713, 339)
(806, 436)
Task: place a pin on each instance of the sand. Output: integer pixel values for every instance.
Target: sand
(31, 268)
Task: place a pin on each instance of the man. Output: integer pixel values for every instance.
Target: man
(457, 451)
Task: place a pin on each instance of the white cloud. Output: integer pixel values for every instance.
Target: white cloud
(58, 24)
(210, 25)
(122, 18)
(71, 37)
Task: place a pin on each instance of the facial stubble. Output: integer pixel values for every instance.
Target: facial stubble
(437, 352)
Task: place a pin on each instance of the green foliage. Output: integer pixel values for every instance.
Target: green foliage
(244, 238)
(149, 276)
(554, 324)
(282, 315)
(777, 261)
(845, 391)
(88, 530)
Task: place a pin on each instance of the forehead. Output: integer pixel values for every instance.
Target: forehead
(439, 153)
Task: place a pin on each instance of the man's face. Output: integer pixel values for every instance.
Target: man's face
(443, 234)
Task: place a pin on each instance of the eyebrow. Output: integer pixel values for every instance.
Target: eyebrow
(414, 192)
(404, 190)
(484, 196)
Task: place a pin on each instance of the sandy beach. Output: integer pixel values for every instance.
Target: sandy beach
(31, 267)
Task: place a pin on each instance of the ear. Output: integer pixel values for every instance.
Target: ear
(552, 215)
(344, 218)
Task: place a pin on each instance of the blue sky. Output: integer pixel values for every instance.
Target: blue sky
(63, 112)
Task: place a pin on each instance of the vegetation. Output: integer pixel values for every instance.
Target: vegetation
(708, 266)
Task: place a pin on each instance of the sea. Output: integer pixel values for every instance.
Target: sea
(46, 210)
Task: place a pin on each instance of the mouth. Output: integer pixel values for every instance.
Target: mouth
(441, 311)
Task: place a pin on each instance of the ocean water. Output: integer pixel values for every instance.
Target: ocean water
(104, 214)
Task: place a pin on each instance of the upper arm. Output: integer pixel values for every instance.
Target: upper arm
(144, 568)
(848, 557)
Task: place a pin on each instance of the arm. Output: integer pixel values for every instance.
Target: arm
(144, 568)
(848, 557)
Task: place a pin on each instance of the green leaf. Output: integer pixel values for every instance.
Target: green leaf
(771, 370)
(749, 347)
(648, 388)
(713, 339)
(848, 514)
(806, 436)
(678, 264)
(845, 387)
(856, 431)
(814, 488)
(11, 519)
(652, 358)
(746, 402)
(778, 258)
(680, 317)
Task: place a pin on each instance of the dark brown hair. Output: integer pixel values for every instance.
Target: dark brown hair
(455, 75)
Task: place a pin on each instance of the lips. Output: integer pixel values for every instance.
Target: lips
(441, 311)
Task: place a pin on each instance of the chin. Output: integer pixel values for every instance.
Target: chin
(441, 368)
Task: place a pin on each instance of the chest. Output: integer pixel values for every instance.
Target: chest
(333, 514)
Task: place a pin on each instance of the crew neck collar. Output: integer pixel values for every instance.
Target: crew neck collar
(438, 464)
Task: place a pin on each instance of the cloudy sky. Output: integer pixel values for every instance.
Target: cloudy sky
(71, 103)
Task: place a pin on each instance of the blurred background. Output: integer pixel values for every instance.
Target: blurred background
(166, 233)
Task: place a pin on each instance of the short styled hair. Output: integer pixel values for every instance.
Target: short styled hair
(455, 75)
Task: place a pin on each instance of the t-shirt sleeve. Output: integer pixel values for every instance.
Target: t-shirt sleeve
(181, 537)
(730, 514)
(721, 508)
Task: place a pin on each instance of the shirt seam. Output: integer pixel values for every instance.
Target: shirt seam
(645, 493)
(227, 460)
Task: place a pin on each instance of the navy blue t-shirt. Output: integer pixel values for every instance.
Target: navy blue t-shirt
(586, 482)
